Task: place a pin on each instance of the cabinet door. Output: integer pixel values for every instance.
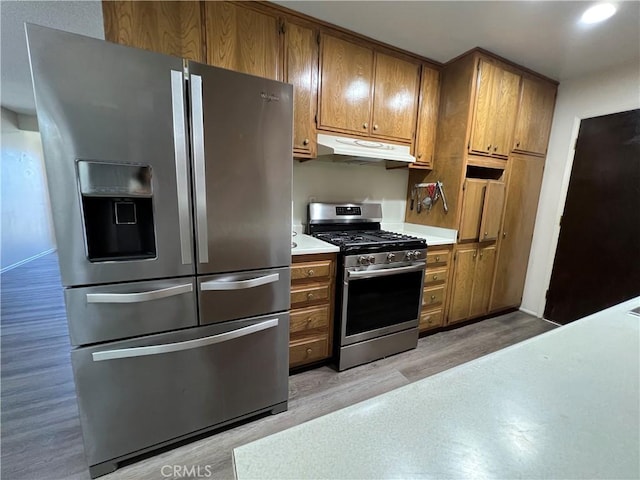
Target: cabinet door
(395, 98)
(492, 210)
(533, 124)
(482, 131)
(173, 28)
(242, 39)
(301, 70)
(483, 280)
(473, 200)
(523, 191)
(506, 92)
(345, 86)
(464, 265)
(427, 116)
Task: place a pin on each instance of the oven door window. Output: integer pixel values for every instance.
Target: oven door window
(381, 302)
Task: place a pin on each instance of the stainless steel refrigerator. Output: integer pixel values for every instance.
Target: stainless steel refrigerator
(170, 184)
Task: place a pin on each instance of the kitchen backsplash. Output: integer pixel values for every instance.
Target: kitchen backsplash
(339, 182)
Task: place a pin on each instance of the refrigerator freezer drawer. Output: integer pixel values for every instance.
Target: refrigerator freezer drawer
(242, 295)
(138, 393)
(112, 312)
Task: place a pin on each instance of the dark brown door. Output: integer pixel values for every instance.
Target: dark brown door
(597, 261)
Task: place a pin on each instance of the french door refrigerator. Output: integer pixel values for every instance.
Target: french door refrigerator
(170, 186)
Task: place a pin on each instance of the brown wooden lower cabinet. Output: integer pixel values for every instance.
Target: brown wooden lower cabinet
(473, 268)
(436, 281)
(311, 324)
(523, 190)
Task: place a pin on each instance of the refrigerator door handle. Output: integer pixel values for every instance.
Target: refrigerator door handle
(138, 297)
(197, 124)
(186, 345)
(239, 284)
(182, 174)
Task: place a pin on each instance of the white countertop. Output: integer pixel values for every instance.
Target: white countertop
(565, 404)
(306, 244)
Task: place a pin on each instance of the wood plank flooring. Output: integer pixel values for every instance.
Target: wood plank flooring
(41, 436)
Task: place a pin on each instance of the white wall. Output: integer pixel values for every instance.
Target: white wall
(26, 216)
(339, 182)
(601, 94)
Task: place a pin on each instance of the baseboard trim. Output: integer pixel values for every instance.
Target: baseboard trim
(27, 260)
(530, 312)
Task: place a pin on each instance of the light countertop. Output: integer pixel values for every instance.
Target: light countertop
(306, 244)
(564, 404)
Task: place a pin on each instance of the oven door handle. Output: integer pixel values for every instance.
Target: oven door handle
(384, 272)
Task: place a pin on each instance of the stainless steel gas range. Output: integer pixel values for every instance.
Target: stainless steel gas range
(379, 284)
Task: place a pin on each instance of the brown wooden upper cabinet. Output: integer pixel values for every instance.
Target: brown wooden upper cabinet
(242, 39)
(427, 116)
(533, 125)
(359, 99)
(395, 98)
(496, 106)
(346, 79)
(482, 206)
(173, 28)
(301, 70)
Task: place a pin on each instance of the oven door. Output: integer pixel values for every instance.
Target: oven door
(380, 300)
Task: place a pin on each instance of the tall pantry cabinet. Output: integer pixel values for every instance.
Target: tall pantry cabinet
(493, 130)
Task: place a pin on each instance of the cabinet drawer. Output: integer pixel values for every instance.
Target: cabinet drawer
(314, 349)
(309, 318)
(310, 294)
(311, 270)
(435, 276)
(431, 319)
(432, 297)
(438, 258)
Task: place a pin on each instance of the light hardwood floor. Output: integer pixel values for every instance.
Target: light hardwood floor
(41, 437)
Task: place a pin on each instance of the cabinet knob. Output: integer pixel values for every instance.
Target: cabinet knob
(419, 155)
(310, 296)
(481, 254)
(309, 351)
(309, 321)
(504, 234)
(375, 126)
(486, 234)
(311, 273)
(517, 144)
(495, 149)
(489, 147)
(437, 258)
(306, 141)
(433, 297)
(365, 125)
(435, 277)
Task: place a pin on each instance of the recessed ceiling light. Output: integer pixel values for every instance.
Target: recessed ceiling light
(598, 13)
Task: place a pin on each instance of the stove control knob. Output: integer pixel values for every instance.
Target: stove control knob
(372, 259)
(391, 257)
(363, 260)
(416, 254)
(409, 255)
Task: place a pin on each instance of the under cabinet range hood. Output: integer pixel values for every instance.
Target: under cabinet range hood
(357, 150)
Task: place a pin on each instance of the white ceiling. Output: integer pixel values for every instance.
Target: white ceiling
(542, 35)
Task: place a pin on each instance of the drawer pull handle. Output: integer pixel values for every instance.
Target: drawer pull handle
(309, 296)
(214, 285)
(138, 297)
(310, 273)
(186, 345)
